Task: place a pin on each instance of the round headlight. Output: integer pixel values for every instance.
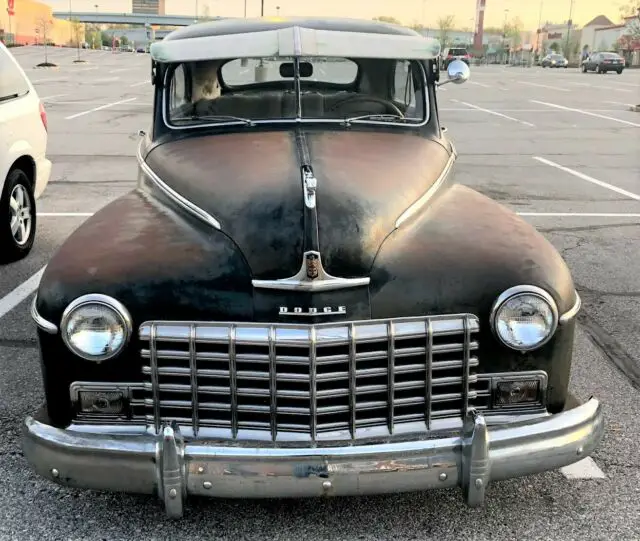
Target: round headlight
(96, 327)
(524, 317)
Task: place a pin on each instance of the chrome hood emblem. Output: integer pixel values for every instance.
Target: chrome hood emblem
(311, 277)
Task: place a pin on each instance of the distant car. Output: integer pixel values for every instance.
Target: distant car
(604, 62)
(24, 168)
(455, 53)
(554, 61)
(298, 299)
(141, 50)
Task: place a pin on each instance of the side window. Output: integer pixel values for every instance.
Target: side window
(404, 91)
(178, 91)
(12, 82)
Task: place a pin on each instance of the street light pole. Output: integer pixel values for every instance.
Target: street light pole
(539, 26)
(569, 22)
(245, 9)
(261, 8)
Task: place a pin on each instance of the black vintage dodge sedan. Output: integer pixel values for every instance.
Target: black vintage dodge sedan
(298, 299)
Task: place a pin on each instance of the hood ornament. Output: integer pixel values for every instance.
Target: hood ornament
(311, 277)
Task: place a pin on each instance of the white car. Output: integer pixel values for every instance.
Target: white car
(24, 167)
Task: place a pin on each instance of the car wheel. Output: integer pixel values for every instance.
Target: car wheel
(584, 69)
(17, 217)
(619, 72)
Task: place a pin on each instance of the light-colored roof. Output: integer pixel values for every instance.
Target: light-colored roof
(600, 20)
(297, 41)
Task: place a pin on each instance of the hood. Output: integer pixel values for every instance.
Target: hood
(252, 184)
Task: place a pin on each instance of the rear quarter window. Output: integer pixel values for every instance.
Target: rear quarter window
(12, 82)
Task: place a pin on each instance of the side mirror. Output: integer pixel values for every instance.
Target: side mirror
(458, 72)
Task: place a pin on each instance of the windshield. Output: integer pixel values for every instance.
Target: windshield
(610, 55)
(557, 57)
(263, 90)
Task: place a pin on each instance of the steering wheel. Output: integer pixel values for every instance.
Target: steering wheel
(348, 101)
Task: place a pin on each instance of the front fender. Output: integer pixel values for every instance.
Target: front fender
(456, 257)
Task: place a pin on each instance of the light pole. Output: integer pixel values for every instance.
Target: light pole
(569, 22)
(506, 12)
(245, 9)
(539, 27)
(261, 8)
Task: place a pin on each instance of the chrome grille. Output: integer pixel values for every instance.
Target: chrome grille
(308, 382)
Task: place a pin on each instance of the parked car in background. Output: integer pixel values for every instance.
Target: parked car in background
(554, 61)
(604, 62)
(24, 167)
(455, 53)
(298, 299)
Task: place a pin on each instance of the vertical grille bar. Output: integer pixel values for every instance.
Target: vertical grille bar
(428, 375)
(272, 382)
(153, 362)
(313, 418)
(232, 381)
(194, 378)
(465, 364)
(391, 366)
(352, 380)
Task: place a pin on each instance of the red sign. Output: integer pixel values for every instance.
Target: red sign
(11, 7)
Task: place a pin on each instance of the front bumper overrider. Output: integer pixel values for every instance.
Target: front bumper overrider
(173, 468)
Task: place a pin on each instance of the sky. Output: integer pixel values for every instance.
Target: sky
(408, 11)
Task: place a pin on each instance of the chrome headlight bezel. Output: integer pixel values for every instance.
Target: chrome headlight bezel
(518, 291)
(106, 302)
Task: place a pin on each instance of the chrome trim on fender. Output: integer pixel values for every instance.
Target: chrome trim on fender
(175, 196)
(173, 467)
(302, 281)
(424, 198)
(572, 312)
(41, 322)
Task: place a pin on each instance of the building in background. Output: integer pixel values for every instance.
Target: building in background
(588, 40)
(31, 21)
(149, 7)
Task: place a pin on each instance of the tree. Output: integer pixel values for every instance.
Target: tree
(629, 9)
(43, 27)
(387, 19)
(555, 47)
(77, 32)
(445, 25)
(124, 40)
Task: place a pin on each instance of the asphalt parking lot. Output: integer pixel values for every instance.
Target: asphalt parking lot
(558, 146)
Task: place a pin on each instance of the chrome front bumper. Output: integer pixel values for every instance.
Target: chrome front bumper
(172, 468)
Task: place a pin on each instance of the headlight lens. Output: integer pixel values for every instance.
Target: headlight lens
(525, 318)
(96, 327)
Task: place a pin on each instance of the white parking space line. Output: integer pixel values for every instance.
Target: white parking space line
(581, 111)
(620, 103)
(495, 113)
(578, 174)
(582, 214)
(64, 214)
(602, 87)
(141, 83)
(584, 469)
(99, 108)
(54, 96)
(479, 84)
(558, 88)
(122, 69)
(20, 293)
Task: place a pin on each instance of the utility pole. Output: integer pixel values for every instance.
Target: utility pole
(569, 22)
(245, 9)
(539, 27)
(261, 8)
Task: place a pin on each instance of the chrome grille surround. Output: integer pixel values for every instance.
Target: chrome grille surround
(310, 383)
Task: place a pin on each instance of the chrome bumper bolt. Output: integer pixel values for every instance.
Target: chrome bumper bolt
(442, 476)
(55, 472)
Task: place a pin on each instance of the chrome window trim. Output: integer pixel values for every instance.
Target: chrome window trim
(175, 196)
(572, 312)
(105, 300)
(424, 198)
(299, 120)
(41, 322)
(519, 290)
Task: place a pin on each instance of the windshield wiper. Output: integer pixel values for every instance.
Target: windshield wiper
(247, 121)
(378, 116)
